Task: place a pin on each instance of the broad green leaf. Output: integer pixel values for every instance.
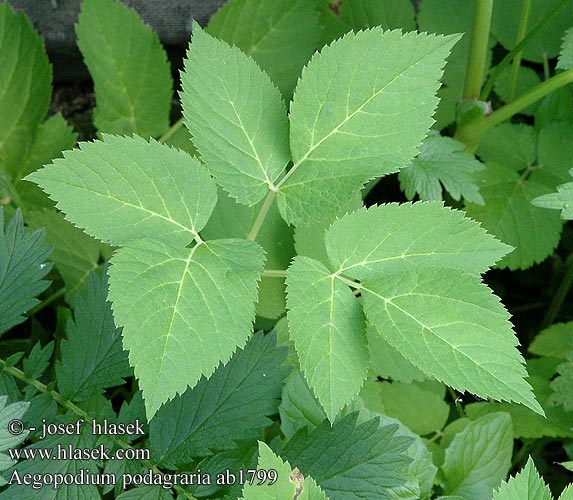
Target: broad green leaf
(555, 341)
(561, 200)
(290, 483)
(146, 493)
(9, 412)
(342, 17)
(177, 304)
(347, 130)
(399, 237)
(525, 485)
(555, 107)
(351, 462)
(479, 457)
(129, 67)
(22, 267)
(545, 45)
(233, 404)
(563, 385)
(327, 325)
(512, 144)
(441, 161)
(451, 326)
(121, 189)
(236, 117)
(554, 152)
(527, 78)
(299, 407)
(280, 35)
(567, 493)
(75, 253)
(92, 357)
(233, 220)
(25, 87)
(509, 215)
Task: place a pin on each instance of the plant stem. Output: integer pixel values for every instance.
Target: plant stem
(56, 396)
(46, 302)
(172, 130)
(274, 273)
(478, 48)
(471, 133)
(261, 215)
(561, 294)
(456, 400)
(520, 36)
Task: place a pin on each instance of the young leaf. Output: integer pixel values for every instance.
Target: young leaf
(129, 67)
(25, 87)
(479, 457)
(327, 325)
(121, 189)
(397, 238)
(92, 357)
(9, 440)
(22, 267)
(346, 130)
(441, 160)
(509, 214)
(280, 35)
(178, 304)
(236, 117)
(525, 485)
(290, 483)
(453, 328)
(561, 200)
(36, 363)
(233, 404)
(351, 462)
(566, 55)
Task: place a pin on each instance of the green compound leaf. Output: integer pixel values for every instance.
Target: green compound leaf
(92, 357)
(236, 116)
(290, 482)
(441, 161)
(509, 215)
(397, 238)
(25, 87)
(233, 404)
(361, 109)
(479, 457)
(7, 439)
(351, 462)
(512, 144)
(178, 304)
(525, 485)
(131, 74)
(328, 327)
(561, 200)
(22, 267)
(451, 326)
(566, 55)
(121, 189)
(280, 35)
(562, 385)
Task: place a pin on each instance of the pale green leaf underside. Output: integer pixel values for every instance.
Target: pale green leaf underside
(131, 74)
(25, 79)
(566, 55)
(360, 110)
(479, 457)
(327, 325)
(525, 485)
(280, 35)
(121, 189)
(510, 216)
(236, 117)
(183, 310)
(441, 161)
(397, 238)
(450, 326)
(290, 482)
(561, 200)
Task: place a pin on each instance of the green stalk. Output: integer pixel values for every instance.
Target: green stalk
(478, 48)
(471, 133)
(46, 302)
(172, 130)
(520, 36)
(261, 215)
(560, 295)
